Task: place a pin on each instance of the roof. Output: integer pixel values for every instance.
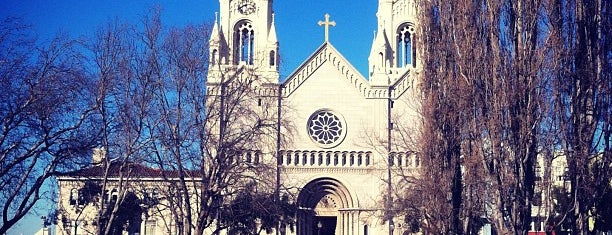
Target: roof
(129, 170)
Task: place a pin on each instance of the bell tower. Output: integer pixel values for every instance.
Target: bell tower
(393, 52)
(244, 36)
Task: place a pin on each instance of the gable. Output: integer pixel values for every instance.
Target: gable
(327, 82)
(326, 54)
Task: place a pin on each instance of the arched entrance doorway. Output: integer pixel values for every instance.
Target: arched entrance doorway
(326, 207)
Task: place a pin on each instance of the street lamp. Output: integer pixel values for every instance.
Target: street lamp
(319, 226)
(390, 160)
(44, 229)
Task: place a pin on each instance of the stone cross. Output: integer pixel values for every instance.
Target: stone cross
(326, 24)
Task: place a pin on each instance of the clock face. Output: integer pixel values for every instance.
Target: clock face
(246, 7)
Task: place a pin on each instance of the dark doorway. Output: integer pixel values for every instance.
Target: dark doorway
(325, 225)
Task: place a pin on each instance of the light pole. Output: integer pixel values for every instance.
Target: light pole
(278, 148)
(319, 226)
(44, 228)
(389, 159)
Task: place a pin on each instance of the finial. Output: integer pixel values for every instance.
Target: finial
(326, 24)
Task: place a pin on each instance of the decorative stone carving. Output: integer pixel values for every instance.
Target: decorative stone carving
(326, 128)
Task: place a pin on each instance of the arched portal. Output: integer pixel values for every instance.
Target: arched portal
(326, 207)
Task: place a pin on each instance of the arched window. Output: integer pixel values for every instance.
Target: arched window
(74, 195)
(114, 196)
(312, 159)
(82, 200)
(335, 159)
(248, 157)
(320, 159)
(215, 57)
(257, 157)
(244, 42)
(150, 227)
(406, 52)
(272, 58)
(105, 196)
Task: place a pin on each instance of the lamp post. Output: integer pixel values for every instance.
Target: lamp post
(389, 159)
(44, 222)
(278, 157)
(319, 226)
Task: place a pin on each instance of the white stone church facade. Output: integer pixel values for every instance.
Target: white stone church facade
(346, 141)
(337, 161)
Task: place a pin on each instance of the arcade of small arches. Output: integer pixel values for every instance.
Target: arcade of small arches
(325, 158)
(343, 158)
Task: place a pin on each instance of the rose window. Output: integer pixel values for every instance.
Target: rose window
(326, 129)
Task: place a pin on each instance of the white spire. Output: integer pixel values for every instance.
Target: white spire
(272, 34)
(214, 35)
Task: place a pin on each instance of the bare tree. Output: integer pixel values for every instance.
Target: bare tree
(484, 119)
(581, 61)
(160, 109)
(123, 97)
(46, 111)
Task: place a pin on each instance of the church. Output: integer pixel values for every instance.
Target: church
(342, 157)
(343, 147)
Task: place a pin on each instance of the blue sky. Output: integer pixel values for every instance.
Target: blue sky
(296, 24)
(296, 21)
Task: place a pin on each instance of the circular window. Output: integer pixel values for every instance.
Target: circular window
(326, 128)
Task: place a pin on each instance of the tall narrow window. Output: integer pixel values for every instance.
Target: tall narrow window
(405, 50)
(215, 57)
(150, 227)
(257, 157)
(244, 43)
(248, 158)
(74, 195)
(81, 197)
(335, 159)
(312, 159)
(272, 58)
(114, 196)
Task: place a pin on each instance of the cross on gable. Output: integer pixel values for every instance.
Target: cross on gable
(326, 24)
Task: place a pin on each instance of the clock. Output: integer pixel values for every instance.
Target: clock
(246, 7)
